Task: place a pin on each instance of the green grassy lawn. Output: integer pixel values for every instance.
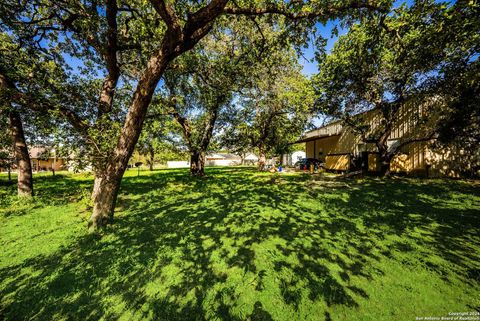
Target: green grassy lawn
(242, 245)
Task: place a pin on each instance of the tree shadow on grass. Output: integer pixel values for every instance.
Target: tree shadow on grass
(420, 213)
(191, 249)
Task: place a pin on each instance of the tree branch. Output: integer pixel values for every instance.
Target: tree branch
(284, 11)
(168, 15)
(210, 122)
(12, 93)
(110, 57)
(199, 23)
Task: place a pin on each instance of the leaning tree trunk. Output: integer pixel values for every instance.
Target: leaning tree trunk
(104, 196)
(24, 167)
(176, 41)
(109, 177)
(108, 180)
(197, 163)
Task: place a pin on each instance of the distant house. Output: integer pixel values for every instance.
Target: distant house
(178, 164)
(292, 158)
(221, 159)
(45, 159)
(251, 159)
(214, 159)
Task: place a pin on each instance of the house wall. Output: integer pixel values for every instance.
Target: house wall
(251, 158)
(416, 158)
(337, 162)
(421, 159)
(323, 145)
(452, 162)
(412, 160)
(178, 164)
(224, 162)
(40, 164)
(333, 151)
(310, 149)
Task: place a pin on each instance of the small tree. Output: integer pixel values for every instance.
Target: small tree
(7, 161)
(274, 112)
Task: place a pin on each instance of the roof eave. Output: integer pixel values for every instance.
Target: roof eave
(309, 139)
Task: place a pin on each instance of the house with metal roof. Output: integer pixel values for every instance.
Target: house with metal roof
(341, 148)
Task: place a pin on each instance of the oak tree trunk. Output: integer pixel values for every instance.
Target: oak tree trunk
(385, 160)
(384, 168)
(176, 41)
(24, 167)
(152, 156)
(197, 163)
(104, 196)
(385, 152)
(262, 159)
(108, 179)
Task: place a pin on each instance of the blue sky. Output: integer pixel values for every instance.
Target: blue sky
(310, 66)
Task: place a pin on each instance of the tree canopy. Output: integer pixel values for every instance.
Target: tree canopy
(271, 114)
(102, 63)
(409, 55)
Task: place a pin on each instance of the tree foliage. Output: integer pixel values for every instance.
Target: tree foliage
(274, 112)
(407, 56)
(209, 83)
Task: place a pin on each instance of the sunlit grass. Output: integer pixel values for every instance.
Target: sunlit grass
(242, 245)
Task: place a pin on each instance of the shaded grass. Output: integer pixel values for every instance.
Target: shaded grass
(243, 245)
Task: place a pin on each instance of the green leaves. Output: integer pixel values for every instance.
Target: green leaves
(84, 58)
(423, 53)
(273, 112)
(389, 56)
